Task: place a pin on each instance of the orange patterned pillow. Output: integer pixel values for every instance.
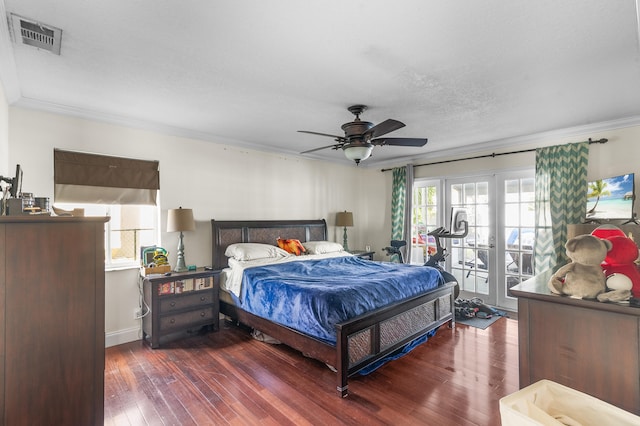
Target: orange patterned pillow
(291, 246)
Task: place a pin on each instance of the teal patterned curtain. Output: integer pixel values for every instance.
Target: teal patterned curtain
(398, 201)
(408, 207)
(561, 199)
(401, 200)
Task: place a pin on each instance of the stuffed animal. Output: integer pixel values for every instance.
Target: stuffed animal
(583, 277)
(621, 272)
(620, 269)
(606, 231)
(291, 246)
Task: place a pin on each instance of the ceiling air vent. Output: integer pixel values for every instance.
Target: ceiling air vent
(36, 34)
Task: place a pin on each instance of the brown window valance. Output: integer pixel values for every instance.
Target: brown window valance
(92, 178)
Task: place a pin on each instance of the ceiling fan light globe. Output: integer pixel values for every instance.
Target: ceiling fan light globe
(358, 153)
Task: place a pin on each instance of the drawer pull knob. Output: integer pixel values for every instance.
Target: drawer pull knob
(202, 314)
(172, 320)
(173, 304)
(202, 299)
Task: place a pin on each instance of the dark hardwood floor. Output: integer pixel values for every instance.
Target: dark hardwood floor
(456, 378)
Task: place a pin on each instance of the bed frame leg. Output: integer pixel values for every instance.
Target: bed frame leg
(343, 391)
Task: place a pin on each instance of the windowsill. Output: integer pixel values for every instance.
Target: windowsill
(124, 267)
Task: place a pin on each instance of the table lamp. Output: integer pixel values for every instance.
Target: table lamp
(179, 220)
(344, 219)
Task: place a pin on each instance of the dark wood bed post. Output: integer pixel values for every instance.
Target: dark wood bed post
(342, 362)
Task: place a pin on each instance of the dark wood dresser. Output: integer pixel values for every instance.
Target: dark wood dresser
(587, 345)
(51, 320)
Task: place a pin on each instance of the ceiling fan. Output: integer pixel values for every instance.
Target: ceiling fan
(361, 136)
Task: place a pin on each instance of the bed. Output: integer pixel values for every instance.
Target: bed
(360, 341)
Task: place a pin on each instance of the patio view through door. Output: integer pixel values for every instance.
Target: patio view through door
(497, 253)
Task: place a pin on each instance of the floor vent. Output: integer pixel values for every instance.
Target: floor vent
(32, 33)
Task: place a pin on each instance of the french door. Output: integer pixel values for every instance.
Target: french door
(497, 252)
(516, 198)
(472, 258)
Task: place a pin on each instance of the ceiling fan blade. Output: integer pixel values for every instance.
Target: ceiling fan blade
(385, 127)
(341, 138)
(399, 141)
(334, 146)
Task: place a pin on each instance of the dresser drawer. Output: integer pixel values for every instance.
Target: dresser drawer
(185, 301)
(185, 320)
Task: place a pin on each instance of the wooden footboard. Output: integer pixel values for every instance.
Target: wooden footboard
(365, 339)
(368, 338)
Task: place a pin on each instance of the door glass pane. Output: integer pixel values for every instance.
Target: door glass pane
(528, 214)
(511, 191)
(469, 193)
(519, 234)
(472, 262)
(456, 194)
(424, 219)
(482, 192)
(482, 215)
(528, 189)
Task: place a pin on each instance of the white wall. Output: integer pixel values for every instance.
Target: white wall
(4, 134)
(217, 181)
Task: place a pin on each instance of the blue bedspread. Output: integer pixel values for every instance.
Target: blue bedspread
(313, 296)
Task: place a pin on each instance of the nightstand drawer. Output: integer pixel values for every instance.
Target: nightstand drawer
(186, 319)
(185, 301)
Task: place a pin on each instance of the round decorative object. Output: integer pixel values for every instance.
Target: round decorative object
(619, 282)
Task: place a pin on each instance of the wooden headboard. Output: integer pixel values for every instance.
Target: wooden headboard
(227, 232)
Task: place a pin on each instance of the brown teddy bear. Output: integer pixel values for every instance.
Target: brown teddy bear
(583, 278)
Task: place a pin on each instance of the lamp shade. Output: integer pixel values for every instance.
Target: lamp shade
(344, 218)
(180, 220)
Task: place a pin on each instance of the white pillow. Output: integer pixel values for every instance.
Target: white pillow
(322, 247)
(252, 251)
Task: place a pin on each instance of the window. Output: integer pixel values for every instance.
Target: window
(425, 217)
(129, 228)
(123, 189)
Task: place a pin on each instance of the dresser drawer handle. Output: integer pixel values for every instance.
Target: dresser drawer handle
(202, 314)
(172, 320)
(203, 299)
(172, 304)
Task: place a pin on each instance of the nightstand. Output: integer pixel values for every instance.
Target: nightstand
(180, 303)
(363, 254)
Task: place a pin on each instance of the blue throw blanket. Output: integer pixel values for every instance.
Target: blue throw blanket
(313, 296)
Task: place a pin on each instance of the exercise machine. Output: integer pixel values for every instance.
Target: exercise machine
(459, 229)
(394, 248)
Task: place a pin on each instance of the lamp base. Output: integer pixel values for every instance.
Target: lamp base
(179, 268)
(344, 240)
(181, 265)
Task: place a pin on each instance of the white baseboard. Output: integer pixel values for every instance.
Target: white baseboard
(123, 336)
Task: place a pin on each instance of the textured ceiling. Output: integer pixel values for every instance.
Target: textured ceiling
(463, 74)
